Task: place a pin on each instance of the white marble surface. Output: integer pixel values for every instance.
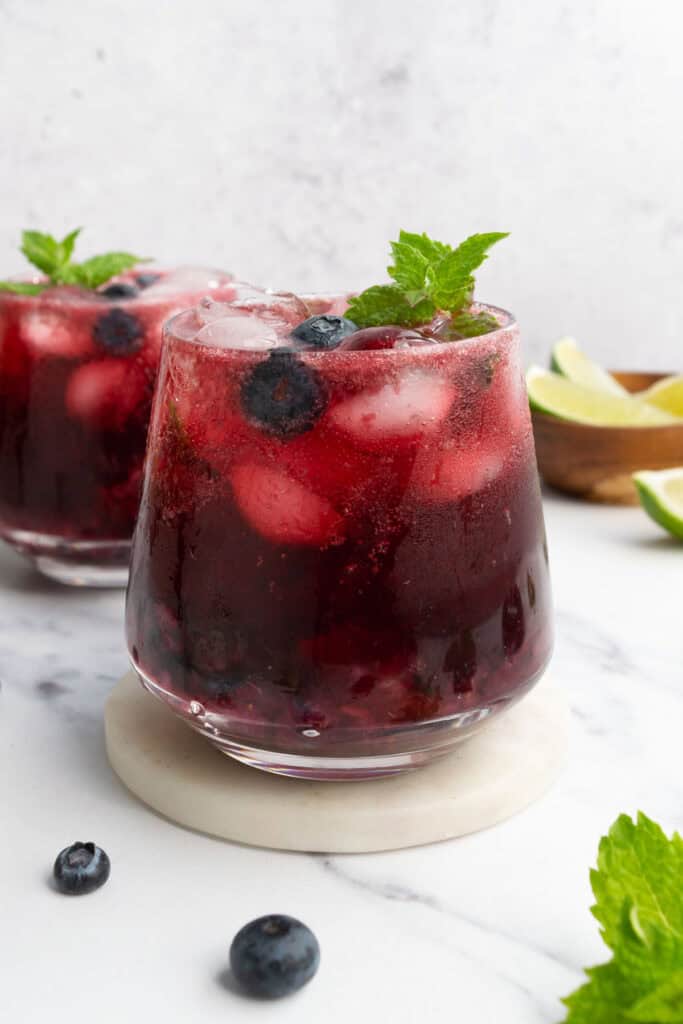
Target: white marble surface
(290, 141)
(493, 927)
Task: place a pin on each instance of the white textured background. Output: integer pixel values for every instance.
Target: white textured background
(290, 140)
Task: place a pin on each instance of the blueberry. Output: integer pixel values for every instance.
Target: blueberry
(120, 290)
(145, 280)
(274, 956)
(118, 332)
(325, 331)
(283, 395)
(80, 869)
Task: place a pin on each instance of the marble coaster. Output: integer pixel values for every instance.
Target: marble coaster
(489, 777)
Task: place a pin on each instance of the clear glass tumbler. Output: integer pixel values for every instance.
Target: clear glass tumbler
(77, 373)
(340, 569)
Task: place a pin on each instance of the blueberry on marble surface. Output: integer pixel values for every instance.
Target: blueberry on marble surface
(80, 869)
(274, 956)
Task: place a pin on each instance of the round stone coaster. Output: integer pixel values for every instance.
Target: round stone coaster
(488, 778)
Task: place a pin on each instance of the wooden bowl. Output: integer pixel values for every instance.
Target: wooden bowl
(596, 462)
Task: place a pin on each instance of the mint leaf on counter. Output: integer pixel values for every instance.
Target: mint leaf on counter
(637, 863)
(428, 276)
(53, 258)
(664, 1004)
(638, 887)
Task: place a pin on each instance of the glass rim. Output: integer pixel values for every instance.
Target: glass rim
(509, 324)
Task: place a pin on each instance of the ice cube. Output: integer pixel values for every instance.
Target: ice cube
(414, 406)
(188, 280)
(49, 333)
(208, 310)
(185, 325)
(235, 331)
(453, 471)
(104, 393)
(281, 509)
(283, 310)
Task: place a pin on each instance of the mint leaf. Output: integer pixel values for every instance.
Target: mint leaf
(428, 276)
(636, 861)
(638, 886)
(472, 325)
(604, 999)
(53, 258)
(66, 246)
(387, 304)
(410, 267)
(21, 287)
(664, 1005)
(43, 251)
(431, 250)
(98, 269)
(451, 283)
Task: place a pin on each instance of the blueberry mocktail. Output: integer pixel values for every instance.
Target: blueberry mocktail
(78, 363)
(339, 569)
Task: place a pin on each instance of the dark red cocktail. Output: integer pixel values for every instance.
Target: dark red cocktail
(77, 373)
(339, 568)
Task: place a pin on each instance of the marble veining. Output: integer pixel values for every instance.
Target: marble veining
(494, 926)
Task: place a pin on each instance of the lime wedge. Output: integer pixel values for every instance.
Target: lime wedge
(568, 359)
(555, 395)
(661, 495)
(666, 394)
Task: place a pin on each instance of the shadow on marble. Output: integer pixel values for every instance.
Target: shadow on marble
(656, 544)
(228, 982)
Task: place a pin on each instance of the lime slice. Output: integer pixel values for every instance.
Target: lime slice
(568, 359)
(666, 394)
(661, 495)
(555, 395)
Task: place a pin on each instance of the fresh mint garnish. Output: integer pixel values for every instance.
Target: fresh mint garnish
(638, 887)
(428, 276)
(53, 258)
(388, 304)
(21, 287)
(472, 325)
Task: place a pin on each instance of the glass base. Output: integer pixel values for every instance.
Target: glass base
(333, 769)
(76, 563)
(377, 753)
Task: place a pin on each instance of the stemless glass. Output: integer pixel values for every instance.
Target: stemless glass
(77, 372)
(339, 570)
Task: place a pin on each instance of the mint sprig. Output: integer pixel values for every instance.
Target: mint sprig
(428, 276)
(638, 887)
(53, 258)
